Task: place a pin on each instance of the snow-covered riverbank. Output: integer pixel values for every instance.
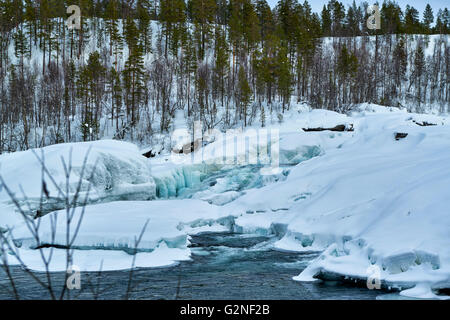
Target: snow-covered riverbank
(362, 197)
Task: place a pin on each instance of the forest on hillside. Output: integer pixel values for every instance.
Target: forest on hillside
(228, 63)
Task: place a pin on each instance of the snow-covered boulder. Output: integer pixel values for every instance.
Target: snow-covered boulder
(114, 170)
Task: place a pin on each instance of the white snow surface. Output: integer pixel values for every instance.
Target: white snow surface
(363, 199)
(120, 172)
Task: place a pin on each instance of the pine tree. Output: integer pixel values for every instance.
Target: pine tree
(352, 21)
(400, 60)
(347, 67)
(31, 27)
(326, 21)
(263, 116)
(221, 65)
(412, 24)
(45, 30)
(250, 25)
(439, 27)
(112, 28)
(190, 58)
(419, 71)
(203, 15)
(244, 95)
(133, 73)
(288, 23)
(70, 74)
(21, 48)
(391, 17)
(115, 89)
(446, 20)
(91, 88)
(86, 7)
(143, 9)
(338, 17)
(266, 20)
(284, 75)
(172, 15)
(428, 18)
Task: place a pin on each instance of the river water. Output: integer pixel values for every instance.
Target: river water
(223, 266)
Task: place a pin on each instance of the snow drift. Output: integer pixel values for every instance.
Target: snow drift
(371, 201)
(114, 170)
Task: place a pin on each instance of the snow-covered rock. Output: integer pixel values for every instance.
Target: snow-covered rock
(114, 170)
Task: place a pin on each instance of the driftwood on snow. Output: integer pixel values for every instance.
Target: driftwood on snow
(424, 123)
(338, 128)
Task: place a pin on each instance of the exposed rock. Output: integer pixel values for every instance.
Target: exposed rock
(400, 135)
(149, 154)
(189, 147)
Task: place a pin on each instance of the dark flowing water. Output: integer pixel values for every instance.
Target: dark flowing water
(223, 266)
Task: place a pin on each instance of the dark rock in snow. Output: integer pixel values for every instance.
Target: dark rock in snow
(149, 154)
(400, 135)
(188, 147)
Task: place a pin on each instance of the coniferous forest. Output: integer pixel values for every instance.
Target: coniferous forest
(133, 64)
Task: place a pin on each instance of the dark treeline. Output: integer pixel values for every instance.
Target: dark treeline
(228, 63)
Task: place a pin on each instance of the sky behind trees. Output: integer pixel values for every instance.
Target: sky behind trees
(317, 5)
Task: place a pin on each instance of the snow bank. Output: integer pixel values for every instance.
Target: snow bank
(371, 201)
(121, 172)
(110, 229)
(115, 225)
(103, 260)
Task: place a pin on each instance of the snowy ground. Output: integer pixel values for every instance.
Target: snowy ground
(362, 197)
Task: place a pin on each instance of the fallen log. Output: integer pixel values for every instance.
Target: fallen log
(424, 124)
(338, 128)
